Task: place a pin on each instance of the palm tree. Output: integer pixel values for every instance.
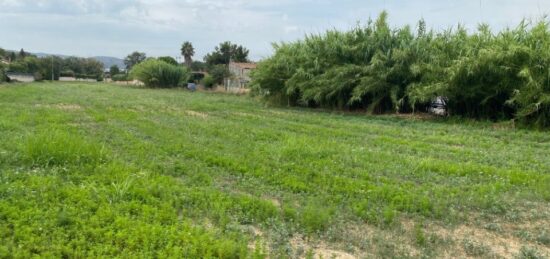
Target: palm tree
(187, 51)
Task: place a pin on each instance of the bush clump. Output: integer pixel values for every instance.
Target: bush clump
(208, 81)
(484, 75)
(159, 74)
(120, 77)
(2, 73)
(67, 73)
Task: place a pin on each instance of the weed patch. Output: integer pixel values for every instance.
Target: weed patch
(58, 148)
(168, 173)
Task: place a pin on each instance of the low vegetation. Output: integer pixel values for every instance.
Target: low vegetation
(2, 72)
(120, 78)
(43, 68)
(160, 74)
(208, 81)
(168, 173)
(485, 75)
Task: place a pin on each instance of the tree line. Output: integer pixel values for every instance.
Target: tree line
(165, 71)
(214, 64)
(484, 75)
(43, 68)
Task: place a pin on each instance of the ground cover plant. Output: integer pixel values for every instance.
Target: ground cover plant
(373, 67)
(157, 73)
(99, 170)
(44, 68)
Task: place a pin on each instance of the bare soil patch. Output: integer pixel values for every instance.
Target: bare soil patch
(320, 250)
(197, 114)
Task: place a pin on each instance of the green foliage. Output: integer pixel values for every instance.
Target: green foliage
(22, 54)
(159, 74)
(91, 68)
(529, 253)
(67, 73)
(85, 76)
(379, 69)
(208, 81)
(169, 60)
(60, 149)
(197, 66)
(227, 52)
(71, 66)
(25, 65)
(219, 73)
(135, 172)
(2, 73)
(120, 77)
(133, 59)
(315, 219)
(114, 70)
(188, 51)
(419, 236)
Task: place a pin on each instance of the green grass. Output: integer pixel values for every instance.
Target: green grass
(98, 170)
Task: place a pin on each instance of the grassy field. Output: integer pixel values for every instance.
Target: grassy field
(98, 170)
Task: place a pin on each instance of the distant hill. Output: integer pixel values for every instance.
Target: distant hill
(41, 55)
(110, 61)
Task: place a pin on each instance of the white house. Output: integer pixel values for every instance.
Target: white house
(239, 75)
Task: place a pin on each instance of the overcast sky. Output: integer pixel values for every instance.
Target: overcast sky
(158, 27)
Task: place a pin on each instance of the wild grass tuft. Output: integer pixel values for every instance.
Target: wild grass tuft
(529, 253)
(58, 148)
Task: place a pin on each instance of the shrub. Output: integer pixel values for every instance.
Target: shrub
(159, 74)
(475, 248)
(529, 253)
(218, 73)
(169, 60)
(120, 77)
(85, 76)
(379, 69)
(67, 73)
(315, 219)
(2, 73)
(208, 81)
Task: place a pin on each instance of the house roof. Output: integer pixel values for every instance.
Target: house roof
(244, 65)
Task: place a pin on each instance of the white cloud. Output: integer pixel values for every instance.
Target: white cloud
(117, 27)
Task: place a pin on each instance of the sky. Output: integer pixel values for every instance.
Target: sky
(158, 27)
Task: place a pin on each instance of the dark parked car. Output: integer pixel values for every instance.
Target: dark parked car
(439, 106)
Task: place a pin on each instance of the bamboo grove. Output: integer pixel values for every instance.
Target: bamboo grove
(484, 75)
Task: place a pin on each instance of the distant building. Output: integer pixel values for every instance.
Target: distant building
(20, 77)
(239, 75)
